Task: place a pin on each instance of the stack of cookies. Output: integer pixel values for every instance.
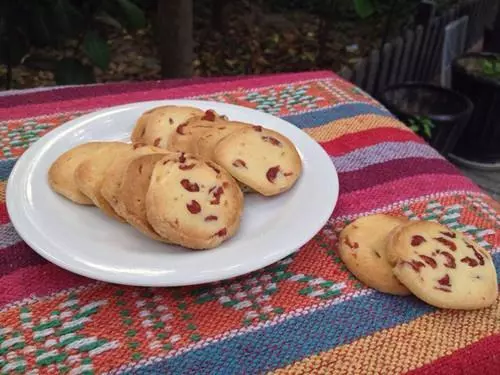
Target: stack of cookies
(182, 177)
(438, 265)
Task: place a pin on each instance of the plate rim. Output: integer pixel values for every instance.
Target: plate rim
(21, 168)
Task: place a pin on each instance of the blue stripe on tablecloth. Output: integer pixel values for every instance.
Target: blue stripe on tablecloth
(6, 166)
(341, 111)
(296, 338)
(381, 153)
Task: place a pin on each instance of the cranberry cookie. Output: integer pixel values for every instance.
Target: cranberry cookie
(262, 159)
(193, 202)
(362, 247)
(442, 267)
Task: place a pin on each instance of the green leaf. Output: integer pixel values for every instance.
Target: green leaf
(134, 15)
(364, 8)
(427, 130)
(73, 72)
(96, 49)
(106, 19)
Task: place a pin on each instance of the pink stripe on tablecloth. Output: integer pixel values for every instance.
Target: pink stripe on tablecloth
(393, 170)
(26, 282)
(400, 190)
(81, 105)
(66, 93)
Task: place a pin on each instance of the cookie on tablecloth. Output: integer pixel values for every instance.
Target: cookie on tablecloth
(362, 248)
(62, 171)
(157, 125)
(89, 174)
(442, 267)
(262, 159)
(193, 202)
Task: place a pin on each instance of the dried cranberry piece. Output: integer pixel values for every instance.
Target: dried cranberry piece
(272, 173)
(184, 167)
(209, 115)
(211, 218)
(271, 140)
(449, 244)
(217, 194)
(239, 163)
(257, 128)
(430, 261)
(352, 245)
(470, 262)
(417, 240)
(157, 142)
(191, 187)
(450, 259)
(193, 207)
(445, 280)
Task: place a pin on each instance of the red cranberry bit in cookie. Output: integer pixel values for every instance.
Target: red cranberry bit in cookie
(191, 187)
(352, 245)
(211, 165)
(430, 261)
(239, 163)
(415, 264)
(271, 140)
(182, 158)
(157, 141)
(257, 128)
(222, 232)
(445, 280)
(209, 115)
(180, 129)
(417, 240)
(185, 167)
(211, 218)
(288, 174)
(470, 262)
(272, 173)
(449, 244)
(170, 120)
(449, 234)
(442, 289)
(477, 254)
(193, 207)
(450, 259)
(217, 193)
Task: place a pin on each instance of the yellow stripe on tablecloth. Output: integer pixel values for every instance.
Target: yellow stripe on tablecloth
(3, 186)
(404, 347)
(338, 128)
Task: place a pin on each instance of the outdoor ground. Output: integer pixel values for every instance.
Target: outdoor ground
(250, 37)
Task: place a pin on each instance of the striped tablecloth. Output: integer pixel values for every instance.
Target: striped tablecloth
(303, 315)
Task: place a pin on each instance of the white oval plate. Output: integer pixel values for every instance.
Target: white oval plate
(83, 240)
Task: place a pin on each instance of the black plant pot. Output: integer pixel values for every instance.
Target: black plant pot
(449, 111)
(480, 141)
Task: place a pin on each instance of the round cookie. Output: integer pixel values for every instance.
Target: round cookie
(362, 248)
(113, 178)
(132, 194)
(156, 128)
(193, 202)
(442, 267)
(262, 159)
(61, 172)
(89, 175)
